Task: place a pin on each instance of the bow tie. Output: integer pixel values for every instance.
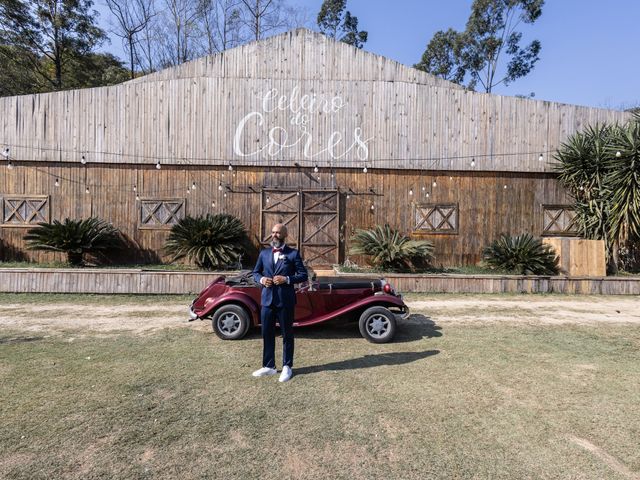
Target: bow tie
(276, 250)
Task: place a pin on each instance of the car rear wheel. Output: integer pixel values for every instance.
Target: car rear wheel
(230, 322)
(378, 325)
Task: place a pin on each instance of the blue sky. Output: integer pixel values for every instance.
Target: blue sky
(589, 47)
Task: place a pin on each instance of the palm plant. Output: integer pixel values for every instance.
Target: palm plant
(390, 249)
(601, 169)
(74, 237)
(522, 254)
(210, 241)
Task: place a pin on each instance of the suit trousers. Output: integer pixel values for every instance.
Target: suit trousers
(268, 317)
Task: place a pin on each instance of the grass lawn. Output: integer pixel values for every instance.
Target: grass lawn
(444, 401)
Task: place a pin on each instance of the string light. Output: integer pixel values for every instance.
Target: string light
(426, 194)
(225, 195)
(86, 190)
(135, 188)
(83, 160)
(364, 169)
(541, 158)
(230, 167)
(193, 186)
(213, 204)
(348, 196)
(504, 187)
(618, 154)
(10, 165)
(424, 188)
(435, 184)
(315, 169)
(220, 186)
(158, 167)
(56, 183)
(373, 207)
(5, 152)
(137, 197)
(411, 191)
(473, 162)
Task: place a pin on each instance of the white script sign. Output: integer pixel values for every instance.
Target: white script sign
(301, 109)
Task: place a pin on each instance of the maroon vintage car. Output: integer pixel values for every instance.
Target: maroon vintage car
(233, 305)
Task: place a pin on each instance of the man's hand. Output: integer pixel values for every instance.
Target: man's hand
(279, 279)
(266, 281)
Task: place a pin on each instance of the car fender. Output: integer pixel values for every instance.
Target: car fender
(237, 298)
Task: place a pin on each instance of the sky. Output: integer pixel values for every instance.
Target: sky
(590, 48)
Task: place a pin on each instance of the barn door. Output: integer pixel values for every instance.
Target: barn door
(311, 218)
(319, 227)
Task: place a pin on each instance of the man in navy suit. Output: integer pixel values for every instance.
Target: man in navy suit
(277, 270)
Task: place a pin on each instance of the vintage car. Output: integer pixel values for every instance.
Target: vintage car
(233, 305)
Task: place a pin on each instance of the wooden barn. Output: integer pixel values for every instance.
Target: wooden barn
(298, 128)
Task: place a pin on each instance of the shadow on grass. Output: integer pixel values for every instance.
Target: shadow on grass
(8, 340)
(416, 327)
(369, 361)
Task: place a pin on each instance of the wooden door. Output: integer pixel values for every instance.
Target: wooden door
(311, 218)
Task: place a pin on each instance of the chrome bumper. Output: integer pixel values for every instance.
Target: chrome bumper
(192, 314)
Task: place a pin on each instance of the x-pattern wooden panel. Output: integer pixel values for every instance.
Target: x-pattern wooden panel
(281, 201)
(26, 210)
(288, 220)
(559, 220)
(172, 210)
(321, 228)
(437, 218)
(327, 254)
(320, 199)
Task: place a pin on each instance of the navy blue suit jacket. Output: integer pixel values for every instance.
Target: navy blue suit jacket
(289, 265)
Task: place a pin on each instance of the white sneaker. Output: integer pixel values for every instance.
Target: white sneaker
(286, 374)
(264, 372)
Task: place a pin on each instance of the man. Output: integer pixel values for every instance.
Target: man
(277, 270)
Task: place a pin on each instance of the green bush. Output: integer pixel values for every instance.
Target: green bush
(210, 241)
(523, 254)
(390, 249)
(74, 237)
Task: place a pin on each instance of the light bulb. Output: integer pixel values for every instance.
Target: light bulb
(137, 197)
(225, 195)
(135, 188)
(220, 186)
(426, 194)
(57, 183)
(581, 187)
(473, 162)
(315, 169)
(348, 196)
(268, 199)
(10, 165)
(83, 160)
(158, 167)
(193, 186)
(540, 158)
(411, 191)
(424, 188)
(230, 167)
(618, 154)
(298, 194)
(372, 207)
(364, 169)
(86, 190)
(5, 152)
(504, 186)
(213, 204)
(435, 184)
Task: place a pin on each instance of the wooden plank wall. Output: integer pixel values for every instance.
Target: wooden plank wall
(489, 203)
(188, 115)
(141, 282)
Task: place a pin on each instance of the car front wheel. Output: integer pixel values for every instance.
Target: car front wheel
(378, 325)
(230, 322)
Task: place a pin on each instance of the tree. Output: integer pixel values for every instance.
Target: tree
(178, 32)
(600, 167)
(221, 23)
(132, 17)
(489, 40)
(54, 30)
(262, 17)
(336, 22)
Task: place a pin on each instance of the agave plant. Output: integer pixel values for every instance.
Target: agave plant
(390, 249)
(210, 241)
(522, 254)
(74, 237)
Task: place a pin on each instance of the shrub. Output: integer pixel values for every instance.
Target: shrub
(390, 249)
(523, 254)
(210, 241)
(74, 237)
